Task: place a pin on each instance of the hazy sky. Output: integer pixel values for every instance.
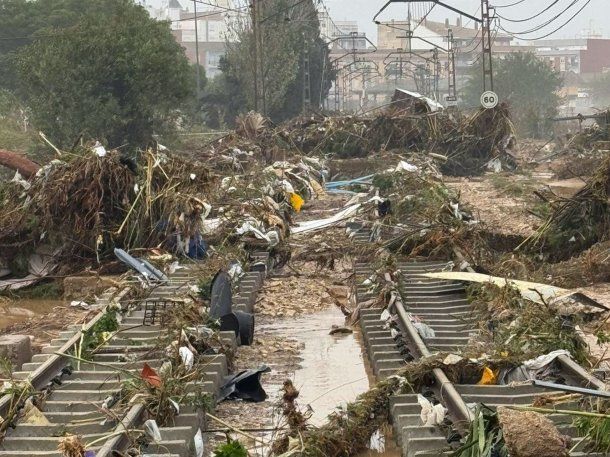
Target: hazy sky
(594, 15)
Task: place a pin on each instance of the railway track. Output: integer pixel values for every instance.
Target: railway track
(76, 394)
(444, 307)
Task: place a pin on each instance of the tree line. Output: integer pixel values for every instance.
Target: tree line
(105, 69)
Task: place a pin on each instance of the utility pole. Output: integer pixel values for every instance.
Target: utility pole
(436, 71)
(451, 91)
(306, 78)
(261, 59)
(254, 51)
(488, 77)
(197, 50)
(400, 69)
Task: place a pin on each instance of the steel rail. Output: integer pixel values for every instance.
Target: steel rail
(453, 398)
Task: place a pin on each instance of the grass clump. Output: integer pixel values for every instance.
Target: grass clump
(231, 449)
(98, 334)
(595, 427)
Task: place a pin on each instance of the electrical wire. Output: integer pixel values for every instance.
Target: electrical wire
(546, 23)
(531, 17)
(554, 31)
(512, 4)
(216, 5)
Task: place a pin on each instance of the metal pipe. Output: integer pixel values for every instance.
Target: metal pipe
(564, 388)
(576, 370)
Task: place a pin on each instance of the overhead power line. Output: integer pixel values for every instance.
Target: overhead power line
(548, 21)
(553, 31)
(531, 17)
(512, 4)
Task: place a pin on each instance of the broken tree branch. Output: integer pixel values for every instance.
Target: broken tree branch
(19, 163)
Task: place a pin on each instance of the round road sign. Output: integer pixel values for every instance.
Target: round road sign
(489, 99)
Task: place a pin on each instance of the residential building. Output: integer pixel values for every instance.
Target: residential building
(584, 56)
(210, 36)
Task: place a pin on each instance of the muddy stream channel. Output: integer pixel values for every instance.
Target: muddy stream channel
(294, 319)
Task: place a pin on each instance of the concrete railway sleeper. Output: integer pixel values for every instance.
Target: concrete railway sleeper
(444, 307)
(76, 393)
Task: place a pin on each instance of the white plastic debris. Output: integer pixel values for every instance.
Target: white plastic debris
(152, 430)
(188, 358)
(198, 441)
(287, 187)
(99, 149)
(175, 266)
(405, 166)
(544, 360)
(430, 414)
(18, 179)
(80, 304)
(193, 176)
(385, 315)
(377, 442)
(494, 165)
(424, 330)
(235, 270)
(108, 402)
(175, 405)
(452, 359)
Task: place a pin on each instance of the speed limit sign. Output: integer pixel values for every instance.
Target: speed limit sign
(489, 99)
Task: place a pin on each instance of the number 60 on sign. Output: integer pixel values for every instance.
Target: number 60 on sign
(489, 99)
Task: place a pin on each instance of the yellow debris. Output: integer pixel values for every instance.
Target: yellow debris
(296, 201)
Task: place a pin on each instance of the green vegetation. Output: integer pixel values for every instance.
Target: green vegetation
(485, 438)
(100, 69)
(15, 134)
(530, 87)
(231, 449)
(98, 333)
(290, 32)
(524, 329)
(597, 429)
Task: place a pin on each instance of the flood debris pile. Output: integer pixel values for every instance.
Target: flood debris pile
(467, 144)
(481, 141)
(420, 215)
(518, 329)
(93, 201)
(347, 430)
(88, 204)
(578, 223)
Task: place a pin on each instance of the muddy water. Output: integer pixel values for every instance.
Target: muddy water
(333, 370)
(14, 311)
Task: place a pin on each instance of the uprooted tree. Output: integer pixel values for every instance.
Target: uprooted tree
(117, 75)
(528, 85)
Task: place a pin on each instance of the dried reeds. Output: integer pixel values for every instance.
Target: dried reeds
(580, 221)
(92, 204)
